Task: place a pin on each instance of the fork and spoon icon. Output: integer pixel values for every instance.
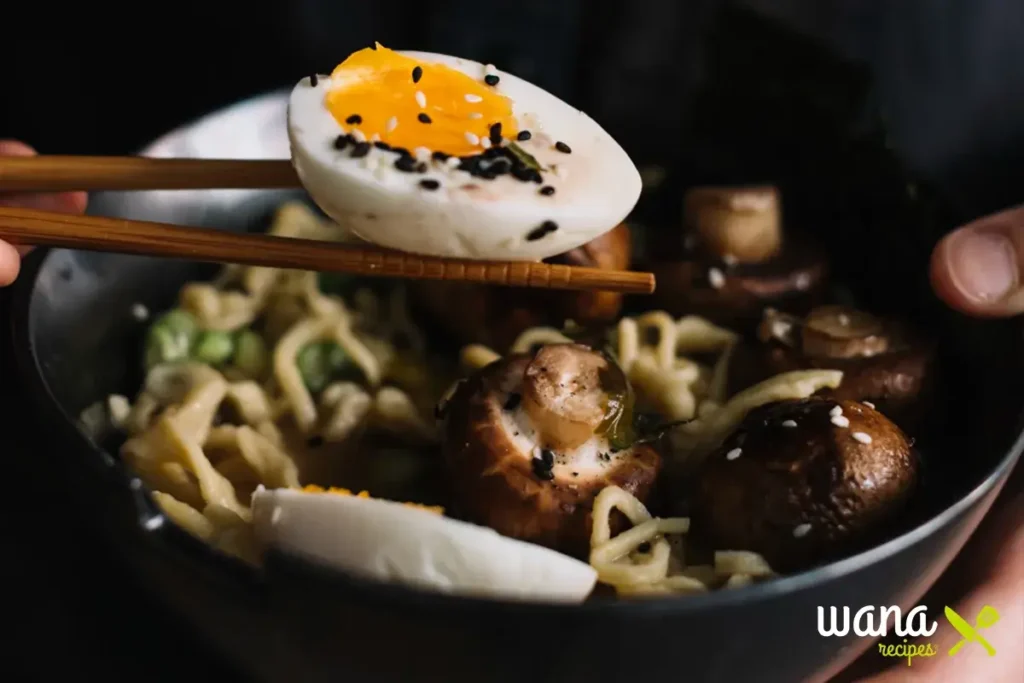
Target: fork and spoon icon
(987, 617)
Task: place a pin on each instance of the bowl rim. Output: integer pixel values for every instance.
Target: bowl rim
(27, 365)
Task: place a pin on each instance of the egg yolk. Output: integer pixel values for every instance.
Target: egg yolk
(313, 488)
(411, 104)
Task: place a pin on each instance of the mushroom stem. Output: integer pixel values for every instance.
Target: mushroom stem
(741, 224)
(563, 396)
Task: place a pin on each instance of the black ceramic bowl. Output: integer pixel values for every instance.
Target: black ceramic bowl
(76, 341)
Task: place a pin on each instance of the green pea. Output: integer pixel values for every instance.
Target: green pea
(251, 355)
(170, 338)
(213, 347)
(319, 363)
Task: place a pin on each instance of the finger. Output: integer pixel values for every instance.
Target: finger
(977, 269)
(10, 263)
(64, 202)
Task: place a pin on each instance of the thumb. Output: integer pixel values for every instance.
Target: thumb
(979, 269)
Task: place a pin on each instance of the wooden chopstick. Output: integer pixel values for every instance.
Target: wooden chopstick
(44, 228)
(66, 173)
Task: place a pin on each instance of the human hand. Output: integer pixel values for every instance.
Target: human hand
(65, 202)
(979, 270)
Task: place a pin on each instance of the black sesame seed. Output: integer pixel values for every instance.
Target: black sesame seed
(500, 167)
(401, 151)
(524, 135)
(354, 119)
(406, 164)
(423, 117)
(313, 80)
(360, 150)
(429, 184)
(547, 190)
(341, 142)
(541, 470)
(562, 147)
(491, 79)
(380, 144)
(440, 156)
(535, 176)
(417, 74)
(523, 173)
(545, 229)
(547, 457)
(644, 547)
(513, 401)
(496, 133)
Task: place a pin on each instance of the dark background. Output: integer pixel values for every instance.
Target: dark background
(105, 78)
(102, 79)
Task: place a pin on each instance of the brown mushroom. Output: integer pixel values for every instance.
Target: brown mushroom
(802, 482)
(495, 316)
(530, 440)
(883, 361)
(735, 259)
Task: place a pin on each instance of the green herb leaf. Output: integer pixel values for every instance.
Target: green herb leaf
(524, 156)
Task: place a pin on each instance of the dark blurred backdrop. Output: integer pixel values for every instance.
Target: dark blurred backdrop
(91, 78)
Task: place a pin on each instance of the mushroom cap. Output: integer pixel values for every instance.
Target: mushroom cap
(804, 481)
(898, 376)
(734, 295)
(493, 470)
(495, 316)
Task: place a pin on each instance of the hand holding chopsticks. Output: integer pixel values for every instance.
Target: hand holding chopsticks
(62, 173)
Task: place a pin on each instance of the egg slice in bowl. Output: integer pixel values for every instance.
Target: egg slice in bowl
(415, 545)
(441, 156)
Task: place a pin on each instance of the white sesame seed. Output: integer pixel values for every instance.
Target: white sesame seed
(836, 410)
(730, 260)
(375, 137)
(485, 143)
(789, 423)
(470, 97)
(862, 437)
(453, 162)
(869, 404)
(803, 281)
(844, 319)
(715, 278)
(841, 421)
(421, 153)
(490, 69)
(140, 312)
(392, 123)
(421, 99)
(475, 115)
(472, 139)
(733, 454)
(781, 328)
(801, 530)
(370, 162)
(358, 135)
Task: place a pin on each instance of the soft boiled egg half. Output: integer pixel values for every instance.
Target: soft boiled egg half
(436, 155)
(418, 546)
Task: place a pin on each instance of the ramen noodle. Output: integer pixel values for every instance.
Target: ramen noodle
(266, 377)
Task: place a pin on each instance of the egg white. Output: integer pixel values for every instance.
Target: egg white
(596, 185)
(389, 541)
